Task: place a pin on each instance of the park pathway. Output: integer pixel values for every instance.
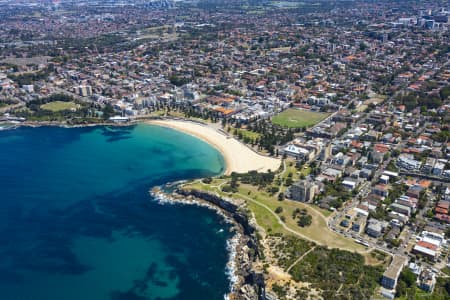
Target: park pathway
(285, 227)
(299, 259)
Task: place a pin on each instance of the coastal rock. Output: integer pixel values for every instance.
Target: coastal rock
(248, 284)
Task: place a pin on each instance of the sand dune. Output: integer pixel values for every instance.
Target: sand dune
(238, 157)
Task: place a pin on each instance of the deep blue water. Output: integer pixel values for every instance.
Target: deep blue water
(77, 221)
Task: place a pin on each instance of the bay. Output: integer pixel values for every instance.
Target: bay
(77, 221)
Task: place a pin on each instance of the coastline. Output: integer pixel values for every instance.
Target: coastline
(245, 282)
(32, 124)
(238, 157)
(13, 126)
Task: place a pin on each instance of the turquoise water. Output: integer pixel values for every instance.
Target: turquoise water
(77, 221)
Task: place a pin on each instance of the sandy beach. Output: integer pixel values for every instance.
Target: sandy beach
(238, 157)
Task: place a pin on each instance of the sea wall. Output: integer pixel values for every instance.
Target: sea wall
(250, 284)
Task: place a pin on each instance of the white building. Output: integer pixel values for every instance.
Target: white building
(297, 152)
(408, 162)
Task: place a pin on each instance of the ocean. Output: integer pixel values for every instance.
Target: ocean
(77, 220)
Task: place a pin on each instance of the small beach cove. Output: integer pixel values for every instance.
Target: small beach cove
(238, 157)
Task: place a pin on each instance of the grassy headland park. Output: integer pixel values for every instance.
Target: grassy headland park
(293, 252)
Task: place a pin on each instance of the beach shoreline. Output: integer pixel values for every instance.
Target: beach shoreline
(238, 157)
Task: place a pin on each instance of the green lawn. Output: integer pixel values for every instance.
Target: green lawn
(176, 114)
(296, 173)
(317, 231)
(266, 219)
(247, 133)
(56, 106)
(326, 213)
(446, 270)
(296, 118)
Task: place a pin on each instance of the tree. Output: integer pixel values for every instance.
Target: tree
(274, 189)
(408, 277)
(279, 210)
(207, 180)
(178, 81)
(289, 181)
(304, 220)
(444, 93)
(395, 242)
(447, 287)
(447, 232)
(422, 199)
(227, 189)
(401, 289)
(362, 46)
(280, 196)
(108, 111)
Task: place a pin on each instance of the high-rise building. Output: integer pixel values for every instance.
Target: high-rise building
(303, 191)
(84, 90)
(390, 276)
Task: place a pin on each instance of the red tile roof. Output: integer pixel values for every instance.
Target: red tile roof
(441, 210)
(427, 245)
(381, 148)
(442, 217)
(443, 204)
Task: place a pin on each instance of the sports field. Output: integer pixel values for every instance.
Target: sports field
(56, 106)
(297, 118)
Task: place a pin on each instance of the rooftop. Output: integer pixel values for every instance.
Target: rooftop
(396, 266)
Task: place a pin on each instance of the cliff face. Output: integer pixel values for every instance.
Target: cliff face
(250, 285)
(227, 206)
(214, 199)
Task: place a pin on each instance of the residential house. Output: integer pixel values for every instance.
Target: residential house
(375, 228)
(381, 190)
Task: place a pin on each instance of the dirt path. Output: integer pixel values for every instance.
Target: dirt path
(299, 259)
